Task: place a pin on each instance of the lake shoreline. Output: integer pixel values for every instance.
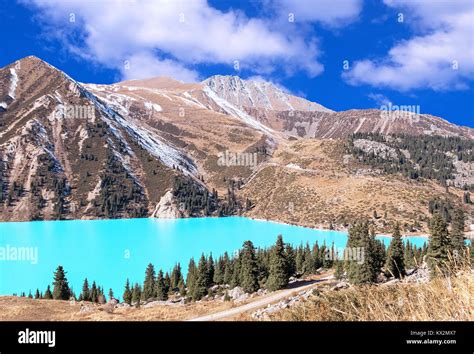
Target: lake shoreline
(317, 228)
(340, 229)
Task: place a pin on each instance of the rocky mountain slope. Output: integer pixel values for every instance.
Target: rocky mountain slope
(342, 124)
(166, 148)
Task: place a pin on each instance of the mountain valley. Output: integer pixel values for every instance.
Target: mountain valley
(224, 146)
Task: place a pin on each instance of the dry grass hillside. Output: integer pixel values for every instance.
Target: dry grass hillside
(441, 299)
(24, 309)
(314, 183)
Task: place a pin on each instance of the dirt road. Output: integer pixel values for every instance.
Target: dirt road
(262, 302)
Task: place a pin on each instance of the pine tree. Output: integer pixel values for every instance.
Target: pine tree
(360, 271)
(290, 255)
(424, 250)
(439, 246)
(235, 279)
(248, 268)
(127, 294)
(202, 278)
(316, 258)
(160, 291)
(457, 233)
(61, 289)
(167, 282)
(137, 294)
(308, 263)
(409, 255)
(149, 283)
(263, 264)
(37, 294)
(111, 294)
(30, 295)
(181, 287)
(278, 277)
(85, 294)
(191, 276)
(299, 259)
(378, 254)
(210, 270)
(47, 294)
(395, 258)
(94, 292)
(219, 271)
(228, 269)
(176, 275)
(326, 256)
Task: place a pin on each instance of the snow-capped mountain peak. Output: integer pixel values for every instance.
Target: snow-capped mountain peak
(258, 94)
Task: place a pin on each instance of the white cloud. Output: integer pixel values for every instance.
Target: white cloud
(439, 57)
(379, 99)
(164, 37)
(145, 65)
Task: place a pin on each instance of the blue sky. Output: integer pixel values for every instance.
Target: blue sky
(407, 52)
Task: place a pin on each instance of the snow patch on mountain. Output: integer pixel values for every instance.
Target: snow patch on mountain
(192, 100)
(156, 146)
(235, 112)
(294, 166)
(153, 106)
(151, 141)
(14, 80)
(258, 94)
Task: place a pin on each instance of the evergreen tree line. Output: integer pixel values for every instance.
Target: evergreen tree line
(442, 207)
(193, 198)
(47, 177)
(119, 194)
(250, 268)
(231, 205)
(62, 290)
(196, 200)
(428, 156)
(445, 249)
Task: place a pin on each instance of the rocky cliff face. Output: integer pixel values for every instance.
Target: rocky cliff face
(167, 208)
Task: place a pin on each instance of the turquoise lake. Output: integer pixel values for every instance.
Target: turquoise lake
(109, 251)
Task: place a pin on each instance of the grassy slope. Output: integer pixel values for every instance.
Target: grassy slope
(442, 299)
(332, 187)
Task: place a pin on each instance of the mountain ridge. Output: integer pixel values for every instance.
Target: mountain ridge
(156, 142)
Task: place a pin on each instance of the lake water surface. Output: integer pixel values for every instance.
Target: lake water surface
(109, 251)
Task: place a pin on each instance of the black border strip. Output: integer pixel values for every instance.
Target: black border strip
(290, 337)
